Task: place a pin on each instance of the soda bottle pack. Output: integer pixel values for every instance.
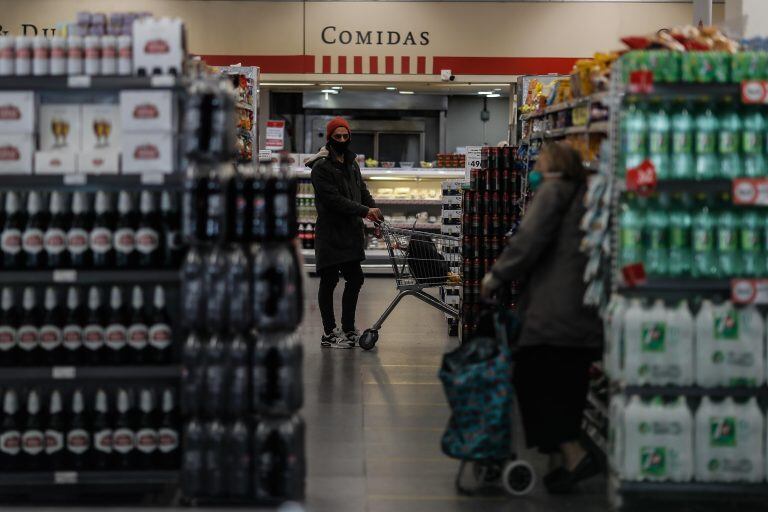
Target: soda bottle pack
(241, 301)
(490, 209)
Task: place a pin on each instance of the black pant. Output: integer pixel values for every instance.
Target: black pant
(329, 278)
(551, 384)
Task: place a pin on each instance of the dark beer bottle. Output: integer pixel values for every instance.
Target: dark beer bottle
(32, 237)
(138, 330)
(78, 243)
(10, 432)
(10, 240)
(116, 335)
(72, 333)
(146, 435)
(147, 234)
(28, 331)
(78, 435)
(54, 432)
(9, 323)
(101, 236)
(123, 436)
(51, 336)
(168, 432)
(33, 438)
(55, 237)
(102, 433)
(171, 231)
(94, 334)
(125, 232)
(160, 334)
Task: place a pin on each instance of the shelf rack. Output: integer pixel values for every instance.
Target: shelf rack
(38, 373)
(89, 277)
(92, 182)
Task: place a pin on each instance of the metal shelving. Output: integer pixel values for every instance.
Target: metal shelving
(89, 277)
(566, 105)
(678, 285)
(90, 372)
(87, 82)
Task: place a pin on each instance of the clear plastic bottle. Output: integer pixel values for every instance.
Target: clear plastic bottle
(707, 161)
(683, 165)
(656, 237)
(729, 142)
(659, 130)
(632, 222)
(728, 241)
(751, 252)
(680, 255)
(703, 229)
(635, 132)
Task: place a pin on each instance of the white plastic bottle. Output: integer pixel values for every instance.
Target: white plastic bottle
(616, 433)
(58, 56)
(681, 416)
(7, 55)
(23, 53)
(41, 56)
(74, 55)
(730, 441)
(634, 316)
(108, 55)
(680, 346)
(634, 413)
(613, 327)
(656, 351)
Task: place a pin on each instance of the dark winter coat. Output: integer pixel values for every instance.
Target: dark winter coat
(342, 201)
(544, 254)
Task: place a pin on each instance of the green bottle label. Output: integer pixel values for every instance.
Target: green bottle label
(702, 240)
(635, 142)
(726, 240)
(750, 239)
(653, 338)
(653, 460)
(630, 238)
(682, 142)
(727, 326)
(657, 238)
(705, 142)
(751, 142)
(679, 237)
(728, 143)
(722, 432)
(658, 143)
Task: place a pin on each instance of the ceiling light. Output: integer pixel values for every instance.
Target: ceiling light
(485, 93)
(493, 96)
(338, 88)
(391, 88)
(330, 91)
(406, 92)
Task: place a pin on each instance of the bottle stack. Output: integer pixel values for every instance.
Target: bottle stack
(306, 213)
(241, 302)
(451, 225)
(490, 210)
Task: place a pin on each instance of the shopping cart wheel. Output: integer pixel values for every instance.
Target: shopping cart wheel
(518, 478)
(368, 339)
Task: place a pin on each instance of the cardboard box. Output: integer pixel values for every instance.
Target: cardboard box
(16, 152)
(159, 46)
(101, 128)
(55, 162)
(17, 112)
(98, 162)
(60, 127)
(148, 152)
(147, 110)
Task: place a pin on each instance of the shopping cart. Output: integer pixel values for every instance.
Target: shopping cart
(420, 260)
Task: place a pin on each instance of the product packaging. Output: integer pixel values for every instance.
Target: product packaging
(17, 112)
(100, 127)
(159, 46)
(16, 151)
(60, 127)
(148, 152)
(144, 110)
(99, 162)
(55, 162)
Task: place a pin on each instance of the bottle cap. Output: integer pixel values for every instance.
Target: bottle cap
(146, 402)
(33, 402)
(102, 202)
(137, 299)
(55, 404)
(11, 202)
(77, 402)
(10, 402)
(116, 298)
(147, 202)
(168, 402)
(124, 203)
(56, 203)
(94, 298)
(29, 298)
(73, 300)
(159, 298)
(50, 298)
(123, 401)
(78, 203)
(33, 203)
(101, 401)
(7, 298)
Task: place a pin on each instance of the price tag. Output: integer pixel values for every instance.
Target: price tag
(749, 291)
(641, 82)
(754, 92)
(64, 276)
(79, 81)
(152, 179)
(634, 274)
(63, 372)
(162, 81)
(750, 191)
(265, 155)
(474, 160)
(642, 179)
(65, 477)
(75, 179)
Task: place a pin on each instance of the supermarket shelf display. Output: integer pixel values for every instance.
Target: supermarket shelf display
(451, 215)
(242, 301)
(245, 79)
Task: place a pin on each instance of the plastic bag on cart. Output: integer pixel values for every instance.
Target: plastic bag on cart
(427, 265)
(477, 378)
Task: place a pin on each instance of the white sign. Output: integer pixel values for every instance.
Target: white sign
(474, 160)
(265, 155)
(275, 135)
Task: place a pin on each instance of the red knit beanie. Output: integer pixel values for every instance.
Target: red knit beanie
(336, 122)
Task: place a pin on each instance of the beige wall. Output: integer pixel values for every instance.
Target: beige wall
(540, 29)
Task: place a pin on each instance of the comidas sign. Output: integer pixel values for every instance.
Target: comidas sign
(337, 35)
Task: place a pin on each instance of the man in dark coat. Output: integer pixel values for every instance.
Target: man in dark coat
(342, 201)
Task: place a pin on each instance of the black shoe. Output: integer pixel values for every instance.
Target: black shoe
(563, 482)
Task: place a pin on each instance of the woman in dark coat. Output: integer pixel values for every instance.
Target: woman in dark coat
(342, 201)
(560, 337)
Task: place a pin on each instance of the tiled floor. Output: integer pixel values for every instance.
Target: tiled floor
(375, 419)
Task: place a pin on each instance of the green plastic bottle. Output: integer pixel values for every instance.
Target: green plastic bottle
(680, 236)
(703, 236)
(727, 244)
(683, 166)
(659, 129)
(753, 142)
(751, 243)
(707, 161)
(632, 226)
(729, 142)
(635, 131)
(656, 237)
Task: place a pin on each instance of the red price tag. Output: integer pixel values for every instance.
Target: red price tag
(750, 191)
(641, 82)
(749, 291)
(634, 274)
(642, 179)
(754, 92)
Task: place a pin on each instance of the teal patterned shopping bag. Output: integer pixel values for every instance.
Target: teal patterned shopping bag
(477, 378)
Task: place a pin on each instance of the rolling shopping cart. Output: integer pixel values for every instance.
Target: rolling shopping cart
(420, 260)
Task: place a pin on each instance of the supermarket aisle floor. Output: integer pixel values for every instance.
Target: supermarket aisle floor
(374, 419)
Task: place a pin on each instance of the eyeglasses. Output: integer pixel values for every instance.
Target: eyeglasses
(340, 136)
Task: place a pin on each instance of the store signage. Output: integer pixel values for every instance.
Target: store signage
(749, 291)
(29, 29)
(275, 135)
(642, 179)
(754, 92)
(335, 35)
(474, 160)
(750, 191)
(634, 274)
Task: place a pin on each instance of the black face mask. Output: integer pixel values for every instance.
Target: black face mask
(339, 146)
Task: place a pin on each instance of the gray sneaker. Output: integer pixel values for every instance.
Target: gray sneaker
(335, 339)
(353, 336)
